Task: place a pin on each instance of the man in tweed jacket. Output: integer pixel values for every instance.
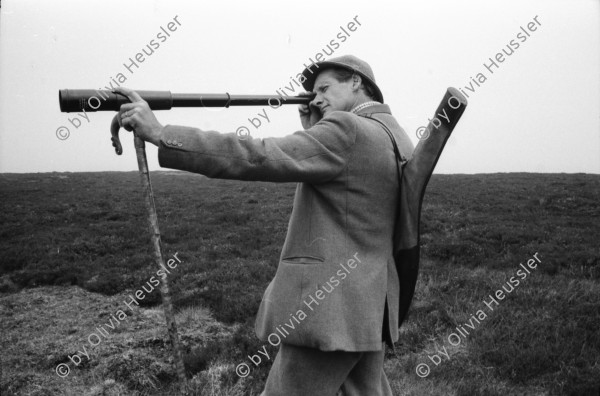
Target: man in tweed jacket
(333, 302)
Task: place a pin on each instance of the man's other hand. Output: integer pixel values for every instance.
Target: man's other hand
(309, 114)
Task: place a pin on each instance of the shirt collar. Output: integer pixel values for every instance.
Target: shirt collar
(363, 105)
(374, 108)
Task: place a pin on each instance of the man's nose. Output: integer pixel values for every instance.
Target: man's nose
(317, 101)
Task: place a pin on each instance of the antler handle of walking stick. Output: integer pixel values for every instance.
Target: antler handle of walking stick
(114, 132)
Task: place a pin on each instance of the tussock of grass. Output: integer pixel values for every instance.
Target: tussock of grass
(108, 388)
(217, 381)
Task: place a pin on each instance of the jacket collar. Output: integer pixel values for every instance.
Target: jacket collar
(378, 108)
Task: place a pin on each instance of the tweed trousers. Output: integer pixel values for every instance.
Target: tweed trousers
(302, 371)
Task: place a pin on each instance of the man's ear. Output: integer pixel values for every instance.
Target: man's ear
(356, 82)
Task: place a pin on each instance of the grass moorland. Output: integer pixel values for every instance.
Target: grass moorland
(76, 245)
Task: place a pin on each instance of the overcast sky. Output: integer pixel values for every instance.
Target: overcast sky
(537, 111)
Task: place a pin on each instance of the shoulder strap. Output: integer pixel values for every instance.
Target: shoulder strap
(400, 160)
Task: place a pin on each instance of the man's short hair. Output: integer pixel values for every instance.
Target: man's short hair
(342, 75)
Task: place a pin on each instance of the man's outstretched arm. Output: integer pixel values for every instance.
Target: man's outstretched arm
(314, 155)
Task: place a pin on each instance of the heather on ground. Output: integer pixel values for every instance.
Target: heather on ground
(75, 246)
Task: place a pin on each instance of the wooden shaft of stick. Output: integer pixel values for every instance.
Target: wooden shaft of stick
(158, 256)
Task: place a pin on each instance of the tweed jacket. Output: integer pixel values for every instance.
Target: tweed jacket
(336, 286)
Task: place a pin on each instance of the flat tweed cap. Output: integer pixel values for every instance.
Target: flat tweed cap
(349, 62)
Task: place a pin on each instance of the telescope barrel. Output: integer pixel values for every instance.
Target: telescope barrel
(89, 100)
(226, 100)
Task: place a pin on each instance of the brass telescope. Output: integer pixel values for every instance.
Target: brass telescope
(73, 100)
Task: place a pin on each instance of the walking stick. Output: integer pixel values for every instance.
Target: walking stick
(97, 100)
(140, 150)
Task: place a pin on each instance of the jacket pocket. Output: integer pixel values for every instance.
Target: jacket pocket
(303, 259)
